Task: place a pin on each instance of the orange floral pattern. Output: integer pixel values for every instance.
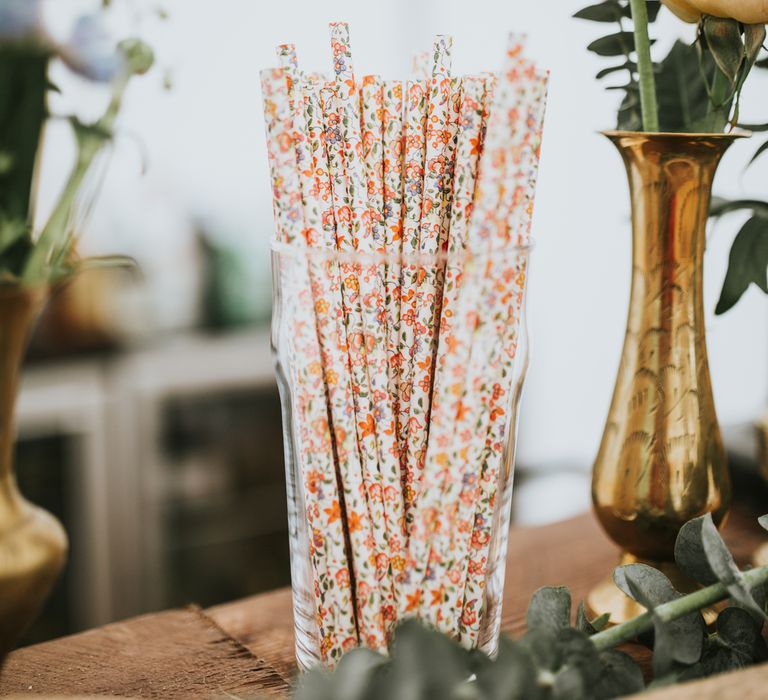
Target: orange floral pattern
(402, 320)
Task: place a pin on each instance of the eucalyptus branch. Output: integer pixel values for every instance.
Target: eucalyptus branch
(648, 104)
(675, 609)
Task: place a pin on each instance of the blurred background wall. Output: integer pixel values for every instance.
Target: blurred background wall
(187, 195)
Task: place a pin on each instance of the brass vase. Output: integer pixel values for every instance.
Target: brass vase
(33, 545)
(661, 461)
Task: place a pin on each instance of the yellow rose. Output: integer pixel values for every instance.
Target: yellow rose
(746, 11)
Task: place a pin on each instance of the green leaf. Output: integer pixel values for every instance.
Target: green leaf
(763, 520)
(679, 641)
(618, 44)
(724, 42)
(737, 643)
(424, 663)
(720, 206)
(747, 263)
(608, 11)
(653, 10)
(584, 624)
(627, 66)
(763, 148)
(549, 609)
(754, 127)
(702, 554)
(513, 675)
(754, 38)
(619, 675)
(681, 90)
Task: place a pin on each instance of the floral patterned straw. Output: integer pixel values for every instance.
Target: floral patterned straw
(335, 613)
(382, 420)
(439, 508)
(504, 286)
(433, 232)
(421, 66)
(392, 125)
(324, 275)
(357, 343)
(414, 130)
(481, 547)
(371, 123)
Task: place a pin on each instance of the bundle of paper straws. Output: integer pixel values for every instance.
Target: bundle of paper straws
(408, 203)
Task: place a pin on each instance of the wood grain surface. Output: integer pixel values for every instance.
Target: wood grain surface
(246, 647)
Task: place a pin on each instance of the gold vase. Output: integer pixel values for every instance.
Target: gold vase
(661, 461)
(33, 544)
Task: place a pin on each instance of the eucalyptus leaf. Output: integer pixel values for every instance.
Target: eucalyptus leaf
(723, 566)
(763, 520)
(679, 641)
(584, 624)
(619, 675)
(549, 609)
(513, 676)
(747, 263)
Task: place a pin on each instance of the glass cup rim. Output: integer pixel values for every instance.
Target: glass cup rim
(294, 250)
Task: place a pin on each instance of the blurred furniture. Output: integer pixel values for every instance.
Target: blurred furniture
(246, 648)
(165, 465)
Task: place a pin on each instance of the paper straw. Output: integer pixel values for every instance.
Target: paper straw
(371, 125)
(382, 419)
(450, 466)
(392, 127)
(335, 613)
(433, 233)
(414, 131)
(503, 399)
(421, 66)
(319, 225)
(504, 286)
(357, 343)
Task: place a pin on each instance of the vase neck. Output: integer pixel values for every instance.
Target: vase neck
(18, 310)
(670, 181)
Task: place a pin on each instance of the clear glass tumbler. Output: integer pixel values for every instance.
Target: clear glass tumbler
(400, 378)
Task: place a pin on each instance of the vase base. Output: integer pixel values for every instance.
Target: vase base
(607, 598)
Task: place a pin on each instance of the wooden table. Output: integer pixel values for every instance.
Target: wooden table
(245, 648)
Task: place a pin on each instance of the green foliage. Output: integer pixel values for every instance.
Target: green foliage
(697, 86)
(748, 259)
(621, 44)
(681, 84)
(555, 661)
(27, 257)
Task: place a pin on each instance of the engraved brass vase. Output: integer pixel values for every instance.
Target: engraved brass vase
(661, 461)
(33, 544)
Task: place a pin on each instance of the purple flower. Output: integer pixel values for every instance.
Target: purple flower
(19, 19)
(90, 51)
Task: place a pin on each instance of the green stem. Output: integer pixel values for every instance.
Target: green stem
(648, 105)
(54, 232)
(703, 598)
(719, 102)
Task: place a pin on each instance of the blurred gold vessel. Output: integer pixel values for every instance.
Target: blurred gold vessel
(33, 544)
(661, 461)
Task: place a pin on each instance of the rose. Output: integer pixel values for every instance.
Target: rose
(746, 11)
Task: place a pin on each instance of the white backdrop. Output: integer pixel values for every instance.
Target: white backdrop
(205, 144)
